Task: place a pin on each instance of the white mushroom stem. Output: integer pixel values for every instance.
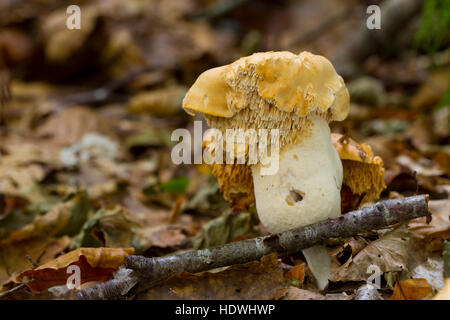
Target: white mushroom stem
(305, 189)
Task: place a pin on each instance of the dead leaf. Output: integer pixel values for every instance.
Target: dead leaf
(96, 264)
(13, 258)
(439, 227)
(111, 227)
(412, 289)
(297, 272)
(389, 253)
(164, 236)
(223, 229)
(71, 124)
(114, 227)
(260, 280)
(64, 219)
(423, 166)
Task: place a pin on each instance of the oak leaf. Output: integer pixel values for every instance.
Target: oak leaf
(96, 264)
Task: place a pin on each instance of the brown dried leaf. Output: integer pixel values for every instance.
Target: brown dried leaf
(13, 258)
(96, 264)
(65, 218)
(71, 124)
(389, 253)
(297, 272)
(439, 227)
(412, 289)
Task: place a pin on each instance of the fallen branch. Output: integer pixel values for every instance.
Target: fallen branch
(147, 272)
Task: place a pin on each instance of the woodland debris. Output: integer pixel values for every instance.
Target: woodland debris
(147, 272)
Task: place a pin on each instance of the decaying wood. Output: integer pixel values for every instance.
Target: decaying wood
(141, 273)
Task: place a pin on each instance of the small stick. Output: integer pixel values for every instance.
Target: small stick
(147, 272)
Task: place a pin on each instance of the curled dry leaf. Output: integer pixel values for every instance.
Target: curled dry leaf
(260, 280)
(13, 257)
(389, 253)
(341, 254)
(412, 289)
(96, 264)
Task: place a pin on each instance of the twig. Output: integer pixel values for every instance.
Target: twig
(147, 272)
(12, 290)
(22, 286)
(401, 289)
(38, 260)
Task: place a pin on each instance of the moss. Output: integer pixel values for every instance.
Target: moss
(435, 27)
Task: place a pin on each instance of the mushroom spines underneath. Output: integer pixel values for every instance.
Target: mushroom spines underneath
(363, 178)
(291, 127)
(236, 184)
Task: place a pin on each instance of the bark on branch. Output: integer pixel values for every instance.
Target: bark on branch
(142, 273)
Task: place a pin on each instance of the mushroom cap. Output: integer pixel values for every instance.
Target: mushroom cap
(363, 174)
(303, 83)
(269, 90)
